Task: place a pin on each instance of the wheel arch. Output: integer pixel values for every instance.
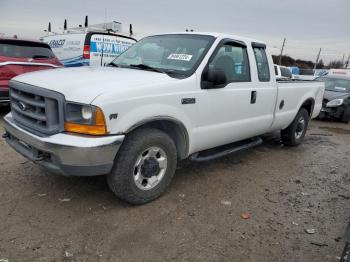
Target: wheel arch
(173, 127)
(309, 105)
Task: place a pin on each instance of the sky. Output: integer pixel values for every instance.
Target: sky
(307, 25)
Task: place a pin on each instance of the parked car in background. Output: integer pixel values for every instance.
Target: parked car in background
(321, 72)
(336, 101)
(90, 46)
(305, 74)
(22, 56)
(339, 72)
(282, 73)
(345, 257)
(294, 70)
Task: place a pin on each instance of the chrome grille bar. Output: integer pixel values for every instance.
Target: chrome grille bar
(37, 108)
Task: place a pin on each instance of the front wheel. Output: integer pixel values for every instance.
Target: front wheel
(144, 166)
(294, 134)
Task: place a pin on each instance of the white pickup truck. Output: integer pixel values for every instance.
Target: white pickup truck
(167, 98)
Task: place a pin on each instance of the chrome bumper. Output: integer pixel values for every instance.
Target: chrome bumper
(66, 154)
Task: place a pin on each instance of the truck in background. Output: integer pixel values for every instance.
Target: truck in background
(282, 72)
(95, 45)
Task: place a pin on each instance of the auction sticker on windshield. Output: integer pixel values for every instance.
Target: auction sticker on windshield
(183, 57)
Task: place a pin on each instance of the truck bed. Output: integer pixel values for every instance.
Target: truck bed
(290, 96)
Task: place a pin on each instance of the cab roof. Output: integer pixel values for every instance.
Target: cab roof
(218, 35)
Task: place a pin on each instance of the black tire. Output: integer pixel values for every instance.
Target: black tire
(346, 121)
(293, 135)
(121, 180)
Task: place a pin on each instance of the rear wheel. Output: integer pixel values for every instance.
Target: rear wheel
(144, 166)
(294, 134)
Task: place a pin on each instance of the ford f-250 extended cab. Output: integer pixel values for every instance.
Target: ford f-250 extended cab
(167, 98)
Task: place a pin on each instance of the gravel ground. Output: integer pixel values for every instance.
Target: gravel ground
(285, 191)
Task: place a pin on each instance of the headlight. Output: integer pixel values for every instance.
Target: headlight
(86, 112)
(84, 119)
(335, 103)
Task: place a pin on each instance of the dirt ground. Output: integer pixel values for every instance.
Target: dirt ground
(46, 217)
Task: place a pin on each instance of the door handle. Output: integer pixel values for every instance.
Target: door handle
(253, 97)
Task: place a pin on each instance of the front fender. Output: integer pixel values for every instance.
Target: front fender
(129, 120)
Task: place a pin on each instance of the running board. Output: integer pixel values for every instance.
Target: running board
(196, 157)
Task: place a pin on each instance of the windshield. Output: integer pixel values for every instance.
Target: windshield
(336, 85)
(178, 54)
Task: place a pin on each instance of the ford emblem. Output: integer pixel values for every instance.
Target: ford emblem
(22, 106)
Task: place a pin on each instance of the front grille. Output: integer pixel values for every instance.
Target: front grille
(36, 108)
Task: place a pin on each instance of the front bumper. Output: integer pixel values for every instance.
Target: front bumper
(66, 154)
(332, 112)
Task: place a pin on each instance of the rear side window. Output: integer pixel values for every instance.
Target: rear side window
(262, 64)
(234, 61)
(25, 49)
(276, 70)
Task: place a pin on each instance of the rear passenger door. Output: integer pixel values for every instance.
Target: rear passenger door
(265, 87)
(242, 108)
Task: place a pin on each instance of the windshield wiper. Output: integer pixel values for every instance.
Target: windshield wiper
(146, 67)
(112, 64)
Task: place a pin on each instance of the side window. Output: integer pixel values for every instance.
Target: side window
(262, 64)
(234, 61)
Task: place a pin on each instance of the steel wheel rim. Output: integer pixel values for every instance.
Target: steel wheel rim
(300, 128)
(150, 168)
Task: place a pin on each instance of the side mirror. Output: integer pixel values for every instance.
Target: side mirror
(214, 78)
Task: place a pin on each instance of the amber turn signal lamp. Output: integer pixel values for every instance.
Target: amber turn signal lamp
(98, 128)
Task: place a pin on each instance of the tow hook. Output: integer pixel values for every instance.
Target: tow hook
(5, 135)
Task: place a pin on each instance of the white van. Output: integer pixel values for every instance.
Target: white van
(88, 48)
(339, 72)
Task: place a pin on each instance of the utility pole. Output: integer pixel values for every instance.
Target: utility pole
(280, 59)
(347, 62)
(318, 57)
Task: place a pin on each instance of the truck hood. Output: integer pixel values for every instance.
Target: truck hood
(84, 84)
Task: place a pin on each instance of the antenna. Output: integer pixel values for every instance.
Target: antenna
(130, 30)
(65, 24)
(49, 27)
(86, 24)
